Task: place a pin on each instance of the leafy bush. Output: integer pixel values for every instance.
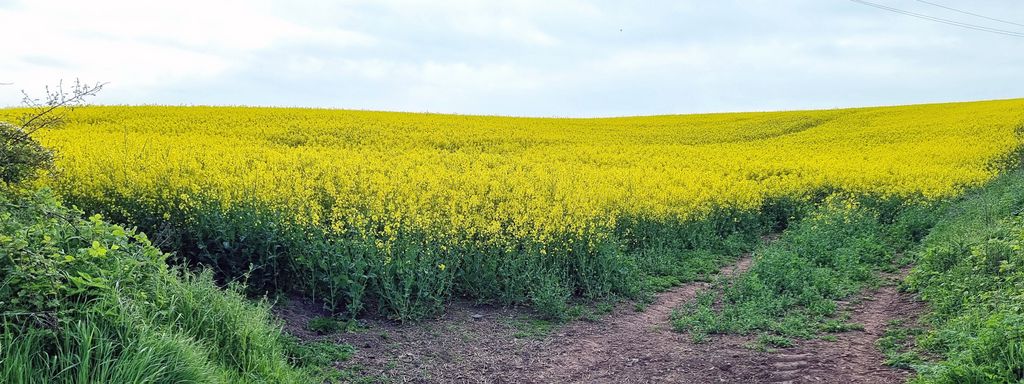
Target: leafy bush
(549, 297)
(82, 300)
(21, 156)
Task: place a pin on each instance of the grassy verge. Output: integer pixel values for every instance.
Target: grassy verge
(969, 257)
(793, 285)
(970, 270)
(82, 300)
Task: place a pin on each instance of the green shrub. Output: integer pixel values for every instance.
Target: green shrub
(21, 157)
(549, 297)
(82, 300)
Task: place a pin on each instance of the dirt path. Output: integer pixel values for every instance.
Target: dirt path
(854, 356)
(473, 344)
(633, 347)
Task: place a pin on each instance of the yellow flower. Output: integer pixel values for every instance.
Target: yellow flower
(441, 267)
(502, 182)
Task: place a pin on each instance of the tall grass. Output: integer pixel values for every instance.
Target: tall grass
(95, 351)
(85, 301)
(971, 272)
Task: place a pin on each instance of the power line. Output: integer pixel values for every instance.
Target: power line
(971, 13)
(943, 20)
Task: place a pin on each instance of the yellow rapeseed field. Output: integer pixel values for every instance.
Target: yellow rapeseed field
(471, 174)
(512, 185)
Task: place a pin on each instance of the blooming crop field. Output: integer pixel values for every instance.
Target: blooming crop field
(396, 212)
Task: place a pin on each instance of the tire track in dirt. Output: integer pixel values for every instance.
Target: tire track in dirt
(475, 344)
(637, 346)
(480, 344)
(854, 357)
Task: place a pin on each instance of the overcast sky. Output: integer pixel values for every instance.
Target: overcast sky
(534, 57)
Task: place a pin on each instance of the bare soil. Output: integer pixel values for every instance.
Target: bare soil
(483, 344)
(854, 357)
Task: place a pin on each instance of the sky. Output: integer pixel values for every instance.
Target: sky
(523, 58)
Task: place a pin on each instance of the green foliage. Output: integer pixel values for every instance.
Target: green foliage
(96, 350)
(971, 272)
(913, 224)
(532, 328)
(549, 297)
(239, 334)
(319, 358)
(793, 285)
(324, 325)
(350, 274)
(21, 156)
(898, 345)
(52, 259)
(769, 340)
(413, 282)
(87, 301)
(837, 326)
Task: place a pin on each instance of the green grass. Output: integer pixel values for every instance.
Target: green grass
(82, 301)
(793, 285)
(90, 351)
(839, 326)
(776, 341)
(970, 270)
(532, 328)
(318, 358)
(898, 345)
(969, 256)
(326, 325)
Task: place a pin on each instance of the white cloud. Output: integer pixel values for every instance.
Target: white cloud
(528, 57)
(138, 45)
(488, 77)
(506, 28)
